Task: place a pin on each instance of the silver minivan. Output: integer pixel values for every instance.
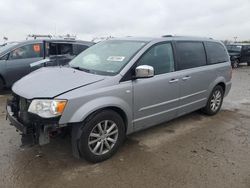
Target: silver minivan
(117, 87)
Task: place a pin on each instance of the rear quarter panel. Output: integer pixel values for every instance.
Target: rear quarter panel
(223, 75)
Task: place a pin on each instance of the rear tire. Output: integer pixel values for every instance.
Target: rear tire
(1, 84)
(214, 101)
(235, 63)
(248, 63)
(101, 136)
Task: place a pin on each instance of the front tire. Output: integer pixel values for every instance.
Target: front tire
(101, 136)
(248, 63)
(215, 101)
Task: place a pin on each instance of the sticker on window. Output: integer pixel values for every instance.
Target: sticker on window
(36, 48)
(115, 58)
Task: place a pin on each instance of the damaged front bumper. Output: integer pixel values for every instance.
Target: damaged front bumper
(34, 130)
(13, 121)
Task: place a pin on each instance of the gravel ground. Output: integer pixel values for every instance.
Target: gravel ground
(191, 151)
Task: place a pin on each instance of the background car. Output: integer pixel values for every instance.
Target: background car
(239, 53)
(20, 58)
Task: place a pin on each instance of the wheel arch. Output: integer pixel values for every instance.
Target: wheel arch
(76, 126)
(92, 107)
(113, 108)
(223, 85)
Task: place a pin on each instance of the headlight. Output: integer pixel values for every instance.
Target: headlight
(47, 108)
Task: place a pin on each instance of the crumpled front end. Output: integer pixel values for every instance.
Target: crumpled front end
(34, 129)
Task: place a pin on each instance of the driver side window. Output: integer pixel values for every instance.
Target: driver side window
(160, 57)
(27, 51)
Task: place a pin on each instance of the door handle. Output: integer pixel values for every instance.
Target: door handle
(173, 80)
(186, 78)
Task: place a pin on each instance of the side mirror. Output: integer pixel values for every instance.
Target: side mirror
(144, 71)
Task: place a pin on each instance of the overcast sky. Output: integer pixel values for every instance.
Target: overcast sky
(220, 19)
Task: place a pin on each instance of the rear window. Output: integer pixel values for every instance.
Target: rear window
(234, 48)
(190, 55)
(216, 53)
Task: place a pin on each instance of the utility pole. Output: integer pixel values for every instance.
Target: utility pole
(5, 39)
(235, 39)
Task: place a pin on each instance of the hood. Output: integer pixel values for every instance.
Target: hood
(53, 81)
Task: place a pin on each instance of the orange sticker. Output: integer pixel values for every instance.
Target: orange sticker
(36, 48)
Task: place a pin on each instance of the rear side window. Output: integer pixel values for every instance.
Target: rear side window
(216, 53)
(60, 49)
(78, 48)
(190, 55)
(27, 51)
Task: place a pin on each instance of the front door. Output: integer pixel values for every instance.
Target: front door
(18, 63)
(156, 98)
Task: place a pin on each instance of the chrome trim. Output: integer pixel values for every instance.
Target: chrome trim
(173, 80)
(193, 94)
(159, 104)
(162, 112)
(170, 101)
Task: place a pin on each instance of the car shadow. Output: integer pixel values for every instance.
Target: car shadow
(56, 157)
(5, 92)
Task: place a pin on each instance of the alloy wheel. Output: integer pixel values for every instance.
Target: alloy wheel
(103, 137)
(216, 100)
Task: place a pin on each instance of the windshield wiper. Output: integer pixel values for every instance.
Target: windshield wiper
(81, 69)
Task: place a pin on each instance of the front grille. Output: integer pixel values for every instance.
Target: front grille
(23, 104)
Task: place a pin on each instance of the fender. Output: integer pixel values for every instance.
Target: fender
(96, 104)
(81, 114)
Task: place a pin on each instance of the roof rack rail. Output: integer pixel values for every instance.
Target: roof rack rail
(35, 36)
(167, 36)
(67, 37)
(64, 37)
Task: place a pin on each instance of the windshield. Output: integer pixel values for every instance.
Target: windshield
(234, 48)
(108, 57)
(6, 46)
